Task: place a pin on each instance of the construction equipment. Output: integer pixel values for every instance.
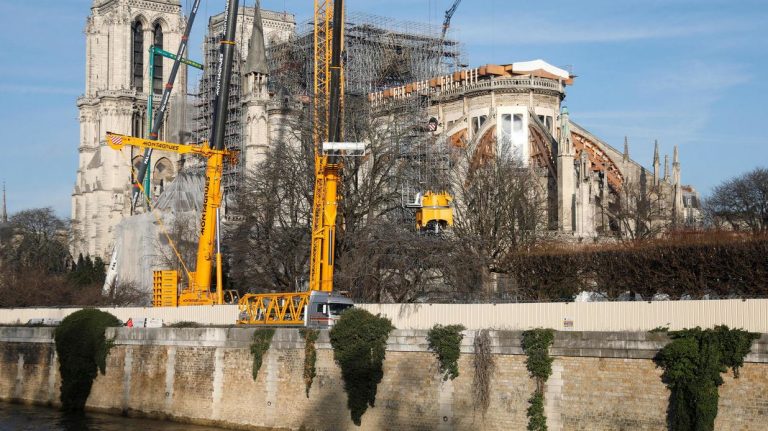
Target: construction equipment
(198, 289)
(153, 50)
(446, 24)
(111, 276)
(448, 15)
(433, 211)
(165, 283)
(142, 169)
(319, 305)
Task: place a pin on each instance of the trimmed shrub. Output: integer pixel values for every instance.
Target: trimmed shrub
(359, 341)
(82, 349)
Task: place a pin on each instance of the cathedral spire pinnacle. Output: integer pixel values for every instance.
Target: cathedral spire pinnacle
(675, 157)
(666, 167)
(565, 147)
(656, 162)
(257, 57)
(626, 149)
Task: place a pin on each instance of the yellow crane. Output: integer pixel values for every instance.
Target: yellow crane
(198, 290)
(318, 306)
(165, 283)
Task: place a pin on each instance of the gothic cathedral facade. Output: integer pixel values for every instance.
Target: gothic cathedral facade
(117, 86)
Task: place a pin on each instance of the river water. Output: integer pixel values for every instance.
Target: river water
(16, 417)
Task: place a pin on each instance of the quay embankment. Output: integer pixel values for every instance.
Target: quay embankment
(599, 381)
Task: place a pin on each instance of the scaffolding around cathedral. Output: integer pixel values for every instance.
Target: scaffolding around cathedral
(204, 100)
(379, 53)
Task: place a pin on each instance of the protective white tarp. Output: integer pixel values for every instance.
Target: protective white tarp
(530, 66)
(140, 239)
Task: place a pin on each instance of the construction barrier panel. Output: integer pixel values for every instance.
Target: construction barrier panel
(749, 314)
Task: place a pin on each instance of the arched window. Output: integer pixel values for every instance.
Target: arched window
(138, 56)
(162, 175)
(137, 124)
(157, 81)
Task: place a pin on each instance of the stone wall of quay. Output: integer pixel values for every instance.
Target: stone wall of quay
(600, 381)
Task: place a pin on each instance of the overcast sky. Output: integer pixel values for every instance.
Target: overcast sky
(685, 72)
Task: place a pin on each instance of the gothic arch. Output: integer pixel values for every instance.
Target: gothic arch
(162, 174)
(140, 18)
(162, 23)
(158, 39)
(137, 53)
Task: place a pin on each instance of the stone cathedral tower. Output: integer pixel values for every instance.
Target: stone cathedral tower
(118, 36)
(255, 96)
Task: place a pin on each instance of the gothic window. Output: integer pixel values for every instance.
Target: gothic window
(157, 81)
(137, 124)
(477, 123)
(517, 122)
(138, 56)
(506, 125)
(162, 175)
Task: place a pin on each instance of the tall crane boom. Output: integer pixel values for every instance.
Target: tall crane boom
(319, 306)
(327, 120)
(447, 20)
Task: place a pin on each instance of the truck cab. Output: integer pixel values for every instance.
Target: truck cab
(324, 309)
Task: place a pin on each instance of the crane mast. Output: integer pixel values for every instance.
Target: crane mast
(318, 306)
(328, 90)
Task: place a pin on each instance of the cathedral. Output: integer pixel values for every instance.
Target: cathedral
(516, 106)
(118, 35)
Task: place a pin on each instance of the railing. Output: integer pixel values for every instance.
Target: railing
(457, 88)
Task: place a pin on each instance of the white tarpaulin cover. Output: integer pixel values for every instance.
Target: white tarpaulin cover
(530, 66)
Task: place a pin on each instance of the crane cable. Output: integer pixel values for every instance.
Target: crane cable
(159, 221)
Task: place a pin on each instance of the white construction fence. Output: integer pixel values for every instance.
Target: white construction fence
(749, 314)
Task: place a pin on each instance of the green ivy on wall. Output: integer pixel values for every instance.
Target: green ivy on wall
(310, 356)
(261, 340)
(82, 349)
(536, 343)
(692, 365)
(445, 341)
(359, 341)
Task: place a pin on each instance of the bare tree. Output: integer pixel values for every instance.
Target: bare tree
(36, 241)
(500, 210)
(741, 203)
(268, 250)
(642, 210)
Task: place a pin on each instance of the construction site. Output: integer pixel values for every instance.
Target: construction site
(342, 223)
(408, 115)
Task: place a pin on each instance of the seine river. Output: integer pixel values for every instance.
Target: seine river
(15, 417)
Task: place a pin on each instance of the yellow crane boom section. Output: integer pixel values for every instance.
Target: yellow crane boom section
(290, 308)
(325, 201)
(197, 291)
